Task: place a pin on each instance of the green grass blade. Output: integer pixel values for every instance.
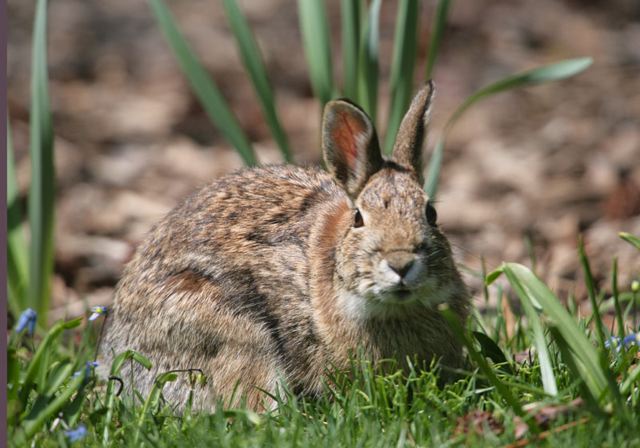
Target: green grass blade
(492, 351)
(351, 18)
(591, 292)
(571, 361)
(525, 282)
(616, 299)
(17, 259)
(41, 193)
(368, 70)
(546, 368)
(631, 239)
(37, 365)
(317, 47)
(252, 59)
(439, 24)
(632, 377)
(31, 427)
(116, 366)
(58, 374)
(404, 60)
(152, 400)
(204, 87)
(552, 72)
(433, 171)
(540, 75)
(461, 333)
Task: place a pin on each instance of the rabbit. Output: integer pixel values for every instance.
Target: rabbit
(281, 273)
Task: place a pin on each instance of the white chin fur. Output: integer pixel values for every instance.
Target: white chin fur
(379, 302)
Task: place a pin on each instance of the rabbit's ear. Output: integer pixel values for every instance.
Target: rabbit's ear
(350, 145)
(407, 150)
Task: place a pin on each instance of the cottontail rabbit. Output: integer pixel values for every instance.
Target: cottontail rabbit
(281, 272)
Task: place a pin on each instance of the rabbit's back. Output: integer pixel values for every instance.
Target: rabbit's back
(222, 283)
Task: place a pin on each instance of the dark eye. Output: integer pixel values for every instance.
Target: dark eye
(432, 215)
(357, 219)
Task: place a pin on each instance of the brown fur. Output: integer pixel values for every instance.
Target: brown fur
(262, 276)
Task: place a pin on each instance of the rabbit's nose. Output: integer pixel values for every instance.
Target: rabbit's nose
(400, 263)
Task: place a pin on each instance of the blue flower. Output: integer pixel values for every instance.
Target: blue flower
(612, 341)
(631, 339)
(627, 341)
(97, 311)
(27, 320)
(87, 369)
(76, 434)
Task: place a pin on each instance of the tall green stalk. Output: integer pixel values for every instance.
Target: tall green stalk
(42, 190)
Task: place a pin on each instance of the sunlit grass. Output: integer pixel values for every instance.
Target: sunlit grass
(565, 361)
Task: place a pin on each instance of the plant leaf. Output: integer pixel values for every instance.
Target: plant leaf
(368, 64)
(540, 75)
(433, 172)
(203, 86)
(317, 47)
(591, 292)
(528, 286)
(402, 66)
(351, 12)
(461, 333)
(546, 368)
(492, 351)
(32, 426)
(252, 59)
(38, 364)
(42, 188)
(17, 251)
(547, 73)
(438, 27)
(631, 239)
(116, 366)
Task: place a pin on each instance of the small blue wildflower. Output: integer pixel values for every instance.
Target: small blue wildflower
(87, 369)
(76, 434)
(27, 320)
(631, 339)
(613, 341)
(97, 311)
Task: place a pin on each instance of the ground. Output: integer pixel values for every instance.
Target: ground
(525, 172)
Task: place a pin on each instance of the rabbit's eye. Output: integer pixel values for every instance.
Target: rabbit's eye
(432, 215)
(357, 219)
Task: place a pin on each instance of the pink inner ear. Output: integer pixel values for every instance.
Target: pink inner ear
(346, 136)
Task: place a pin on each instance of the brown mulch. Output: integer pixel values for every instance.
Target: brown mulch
(534, 167)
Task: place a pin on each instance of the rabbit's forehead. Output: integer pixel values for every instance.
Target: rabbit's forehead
(395, 191)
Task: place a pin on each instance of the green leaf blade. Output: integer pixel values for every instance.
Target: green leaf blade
(402, 67)
(552, 72)
(527, 284)
(433, 171)
(631, 239)
(547, 73)
(351, 20)
(368, 69)
(439, 25)
(546, 368)
(42, 188)
(317, 47)
(17, 250)
(204, 87)
(252, 59)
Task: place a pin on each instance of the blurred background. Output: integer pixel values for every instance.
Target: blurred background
(525, 172)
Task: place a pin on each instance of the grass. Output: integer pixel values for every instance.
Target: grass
(366, 408)
(54, 396)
